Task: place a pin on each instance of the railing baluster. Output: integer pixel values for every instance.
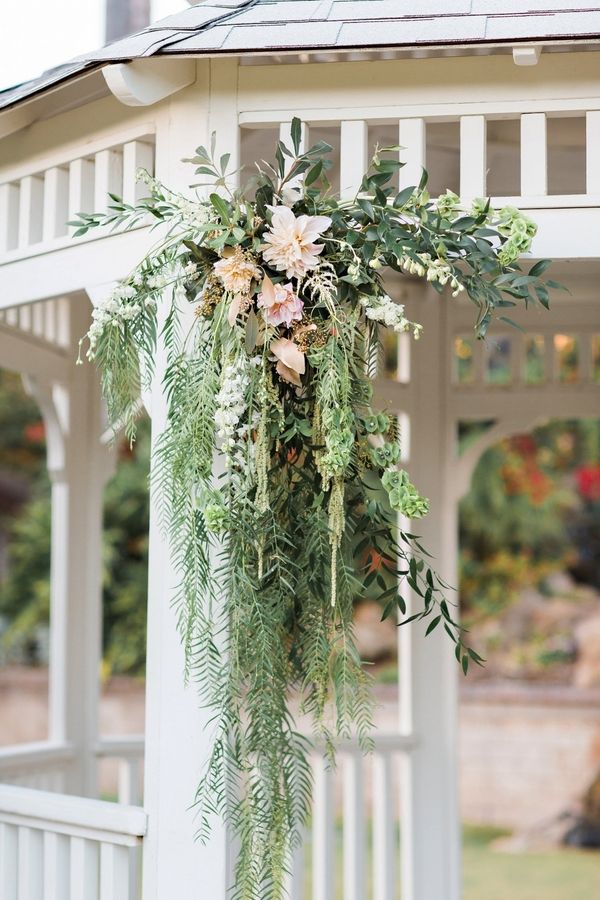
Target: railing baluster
(412, 140)
(114, 872)
(354, 151)
(592, 152)
(108, 178)
(384, 887)
(31, 864)
(9, 217)
(136, 155)
(56, 203)
(9, 843)
(84, 869)
(81, 187)
(534, 155)
(473, 157)
(323, 832)
(56, 866)
(128, 789)
(354, 827)
(31, 199)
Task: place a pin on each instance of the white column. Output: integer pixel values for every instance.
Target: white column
(473, 157)
(78, 466)
(354, 153)
(178, 735)
(534, 155)
(429, 672)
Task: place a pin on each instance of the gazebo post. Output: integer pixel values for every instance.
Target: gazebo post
(78, 465)
(428, 670)
(178, 734)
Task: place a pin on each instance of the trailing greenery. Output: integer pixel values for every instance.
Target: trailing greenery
(268, 313)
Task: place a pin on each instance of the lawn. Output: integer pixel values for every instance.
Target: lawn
(493, 875)
(552, 875)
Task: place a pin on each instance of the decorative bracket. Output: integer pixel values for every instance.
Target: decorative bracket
(146, 81)
(526, 56)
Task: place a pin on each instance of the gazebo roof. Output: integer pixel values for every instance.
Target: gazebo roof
(250, 26)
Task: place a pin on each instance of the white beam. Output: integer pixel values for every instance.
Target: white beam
(473, 157)
(146, 81)
(24, 354)
(534, 155)
(412, 140)
(354, 154)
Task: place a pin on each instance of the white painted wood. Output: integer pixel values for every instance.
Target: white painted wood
(57, 862)
(354, 156)
(9, 217)
(31, 864)
(85, 869)
(136, 155)
(114, 872)
(428, 673)
(8, 861)
(64, 813)
(56, 203)
(412, 140)
(384, 826)
(144, 82)
(592, 152)
(473, 157)
(294, 880)
(323, 842)
(24, 354)
(526, 56)
(353, 827)
(31, 198)
(177, 728)
(129, 782)
(81, 187)
(108, 177)
(534, 155)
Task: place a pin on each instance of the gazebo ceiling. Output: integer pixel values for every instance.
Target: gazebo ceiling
(331, 27)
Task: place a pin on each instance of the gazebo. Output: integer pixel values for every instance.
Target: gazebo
(502, 103)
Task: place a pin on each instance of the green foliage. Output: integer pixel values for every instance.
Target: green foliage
(270, 366)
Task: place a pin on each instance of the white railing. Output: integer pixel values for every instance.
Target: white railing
(67, 848)
(40, 765)
(36, 206)
(46, 320)
(128, 753)
(352, 849)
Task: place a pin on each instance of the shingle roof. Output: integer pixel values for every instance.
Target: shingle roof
(246, 26)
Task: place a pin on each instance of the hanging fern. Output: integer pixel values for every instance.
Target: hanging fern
(271, 333)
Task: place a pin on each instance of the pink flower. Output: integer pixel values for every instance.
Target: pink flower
(236, 271)
(290, 242)
(282, 306)
(291, 362)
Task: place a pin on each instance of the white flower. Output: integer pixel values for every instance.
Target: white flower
(290, 246)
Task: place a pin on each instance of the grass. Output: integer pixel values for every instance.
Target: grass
(489, 874)
(551, 875)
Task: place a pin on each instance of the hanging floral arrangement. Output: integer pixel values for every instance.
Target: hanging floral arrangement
(269, 310)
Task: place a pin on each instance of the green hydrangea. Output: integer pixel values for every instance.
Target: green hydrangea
(403, 496)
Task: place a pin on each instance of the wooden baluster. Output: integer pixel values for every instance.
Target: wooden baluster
(31, 864)
(25, 317)
(56, 203)
(9, 853)
(31, 200)
(136, 155)
(354, 153)
(534, 155)
(354, 829)
(108, 177)
(81, 187)
(323, 879)
(473, 157)
(384, 844)
(128, 790)
(592, 152)
(9, 217)
(84, 869)
(412, 140)
(114, 872)
(56, 866)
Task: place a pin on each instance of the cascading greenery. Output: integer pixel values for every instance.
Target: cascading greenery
(269, 310)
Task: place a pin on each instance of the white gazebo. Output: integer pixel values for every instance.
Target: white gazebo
(503, 103)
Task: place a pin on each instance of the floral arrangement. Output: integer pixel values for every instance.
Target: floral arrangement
(269, 307)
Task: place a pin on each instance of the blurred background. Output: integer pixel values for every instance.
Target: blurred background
(529, 583)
